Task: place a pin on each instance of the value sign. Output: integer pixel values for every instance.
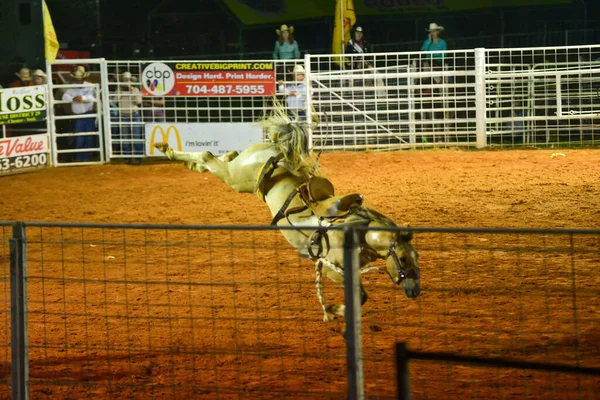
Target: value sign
(23, 104)
(235, 79)
(23, 152)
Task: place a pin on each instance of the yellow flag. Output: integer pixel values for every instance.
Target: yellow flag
(344, 9)
(50, 39)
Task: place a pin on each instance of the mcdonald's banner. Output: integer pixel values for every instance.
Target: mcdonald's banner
(50, 40)
(218, 138)
(260, 12)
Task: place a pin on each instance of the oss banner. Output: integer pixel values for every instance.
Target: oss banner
(218, 138)
(208, 79)
(23, 104)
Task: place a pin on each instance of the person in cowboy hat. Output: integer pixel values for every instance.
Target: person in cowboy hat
(24, 75)
(39, 77)
(295, 93)
(82, 99)
(434, 43)
(128, 100)
(286, 48)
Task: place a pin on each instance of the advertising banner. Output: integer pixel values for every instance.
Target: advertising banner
(23, 104)
(208, 79)
(21, 153)
(218, 138)
(258, 12)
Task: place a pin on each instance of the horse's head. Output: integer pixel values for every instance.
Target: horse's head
(401, 258)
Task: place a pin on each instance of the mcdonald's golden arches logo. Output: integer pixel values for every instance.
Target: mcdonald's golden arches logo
(164, 136)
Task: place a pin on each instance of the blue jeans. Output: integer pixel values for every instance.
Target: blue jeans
(131, 129)
(85, 142)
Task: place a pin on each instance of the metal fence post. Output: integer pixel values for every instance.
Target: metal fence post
(402, 379)
(18, 313)
(480, 106)
(309, 103)
(356, 390)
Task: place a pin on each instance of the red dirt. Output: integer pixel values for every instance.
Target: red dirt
(249, 324)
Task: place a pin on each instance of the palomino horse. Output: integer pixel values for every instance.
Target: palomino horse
(286, 177)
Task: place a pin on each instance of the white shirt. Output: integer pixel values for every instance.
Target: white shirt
(297, 102)
(87, 98)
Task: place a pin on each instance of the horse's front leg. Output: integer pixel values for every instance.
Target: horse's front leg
(200, 167)
(335, 274)
(198, 158)
(194, 161)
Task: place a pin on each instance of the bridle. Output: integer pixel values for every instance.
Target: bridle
(402, 273)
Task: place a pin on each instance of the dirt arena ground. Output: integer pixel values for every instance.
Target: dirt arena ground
(487, 310)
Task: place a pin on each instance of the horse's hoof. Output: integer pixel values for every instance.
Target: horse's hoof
(192, 166)
(162, 147)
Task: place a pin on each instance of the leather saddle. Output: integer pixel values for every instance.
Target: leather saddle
(319, 196)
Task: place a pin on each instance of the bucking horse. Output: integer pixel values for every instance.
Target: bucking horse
(285, 174)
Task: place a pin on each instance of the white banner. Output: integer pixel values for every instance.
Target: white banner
(23, 153)
(218, 138)
(23, 104)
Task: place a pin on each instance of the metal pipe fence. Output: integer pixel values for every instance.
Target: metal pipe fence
(137, 311)
(539, 97)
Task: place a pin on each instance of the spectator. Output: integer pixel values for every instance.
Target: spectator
(39, 77)
(24, 75)
(154, 109)
(434, 43)
(82, 101)
(128, 100)
(357, 45)
(286, 48)
(295, 94)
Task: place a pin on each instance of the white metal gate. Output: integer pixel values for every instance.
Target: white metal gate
(77, 138)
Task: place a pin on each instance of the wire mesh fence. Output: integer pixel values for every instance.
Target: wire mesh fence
(513, 295)
(229, 312)
(123, 313)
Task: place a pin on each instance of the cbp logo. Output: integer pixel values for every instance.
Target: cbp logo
(158, 79)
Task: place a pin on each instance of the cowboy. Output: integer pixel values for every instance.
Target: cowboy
(82, 101)
(295, 93)
(128, 99)
(24, 75)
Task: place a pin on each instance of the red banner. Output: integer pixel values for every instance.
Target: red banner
(233, 79)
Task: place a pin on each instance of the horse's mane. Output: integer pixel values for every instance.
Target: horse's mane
(291, 138)
(364, 215)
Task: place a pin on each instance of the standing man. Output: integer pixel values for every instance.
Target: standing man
(82, 101)
(128, 99)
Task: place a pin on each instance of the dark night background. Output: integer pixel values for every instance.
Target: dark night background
(207, 29)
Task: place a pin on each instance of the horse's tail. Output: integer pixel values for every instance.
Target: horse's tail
(291, 138)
